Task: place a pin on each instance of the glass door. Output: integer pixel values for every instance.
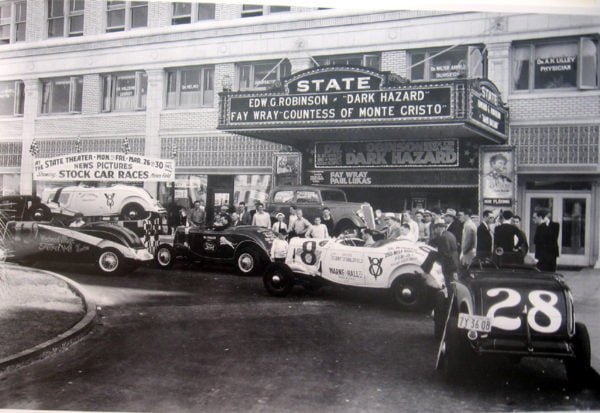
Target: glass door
(572, 211)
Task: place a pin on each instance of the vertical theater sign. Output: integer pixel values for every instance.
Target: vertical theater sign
(356, 126)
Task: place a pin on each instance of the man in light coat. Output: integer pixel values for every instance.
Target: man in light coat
(468, 245)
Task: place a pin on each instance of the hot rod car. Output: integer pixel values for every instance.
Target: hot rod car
(112, 248)
(389, 264)
(247, 247)
(509, 309)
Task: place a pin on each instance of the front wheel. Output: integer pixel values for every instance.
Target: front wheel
(278, 281)
(247, 262)
(408, 293)
(578, 369)
(164, 257)
(110, 261)
(133, 212)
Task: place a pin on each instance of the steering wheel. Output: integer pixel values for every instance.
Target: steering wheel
(481, 261)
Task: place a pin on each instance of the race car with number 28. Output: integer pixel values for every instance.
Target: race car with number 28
(388, 264)
(509, 310)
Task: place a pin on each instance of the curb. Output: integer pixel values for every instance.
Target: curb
(80, 328)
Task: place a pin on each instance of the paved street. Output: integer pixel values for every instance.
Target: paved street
(207, 340)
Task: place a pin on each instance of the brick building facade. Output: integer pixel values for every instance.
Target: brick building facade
(103, 71)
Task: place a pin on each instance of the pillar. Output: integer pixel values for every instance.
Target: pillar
(30, 112)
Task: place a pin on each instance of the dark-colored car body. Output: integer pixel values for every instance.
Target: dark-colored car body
(531, 315)
(247, 247)
(24, 208)
(112, 248)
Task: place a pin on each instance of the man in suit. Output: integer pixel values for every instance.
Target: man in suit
(545, 240)
(446, 254)
(485, 238)
(469, 237)
(505, 235)
(245, 217)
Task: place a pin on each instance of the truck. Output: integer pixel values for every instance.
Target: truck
(312, 200)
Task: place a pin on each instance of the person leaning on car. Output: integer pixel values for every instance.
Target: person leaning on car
(505, 234)
(446, 254)
(197, 215)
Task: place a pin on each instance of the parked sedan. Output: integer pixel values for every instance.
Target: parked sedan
(247, 247)
(112, 248)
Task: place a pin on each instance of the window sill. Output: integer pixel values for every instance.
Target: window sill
(549, 94)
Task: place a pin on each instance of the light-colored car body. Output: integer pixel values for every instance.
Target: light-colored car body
(117, 200)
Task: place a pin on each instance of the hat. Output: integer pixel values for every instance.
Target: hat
(450, 212)
(279, 214)
(427, 212)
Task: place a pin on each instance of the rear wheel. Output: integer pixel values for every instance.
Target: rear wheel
(133, 212)
(278, 281)
(38, 213)
(408, 292)
(164, 256)
(247, 262)
(110, 261)
(455, 353)
(578, 368)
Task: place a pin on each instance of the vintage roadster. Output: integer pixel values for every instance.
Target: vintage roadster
(389, 264)
(247, 247)
(512, 310)
(112, 248)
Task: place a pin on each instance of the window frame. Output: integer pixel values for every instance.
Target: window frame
(202, 77)
(13, 23)
(109, 82)
(127, 7)
(261, 10)
(18, 98)
(73, 98)
(430, 54)
(282, 67)
(194, 12)
(67, 16)
(327, 59)
(533, 44)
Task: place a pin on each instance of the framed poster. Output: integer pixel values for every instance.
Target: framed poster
(498, 176)
(287, 168)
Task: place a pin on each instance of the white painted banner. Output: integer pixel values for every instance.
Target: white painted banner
(104, 166)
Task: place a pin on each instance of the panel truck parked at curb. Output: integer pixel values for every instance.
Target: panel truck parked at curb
(389, 264)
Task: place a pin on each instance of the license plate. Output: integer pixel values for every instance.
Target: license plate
(474, 322)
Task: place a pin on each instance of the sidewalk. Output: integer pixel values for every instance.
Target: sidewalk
(585, 286)
(39, 311)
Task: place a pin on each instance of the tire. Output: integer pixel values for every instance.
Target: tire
(164, 256)
(579, 368)
(247, 262)
(408, 293)
(38, 213)
(110, 262)
(133, 212)
(278, 281)
(453, 368)
(440, 313)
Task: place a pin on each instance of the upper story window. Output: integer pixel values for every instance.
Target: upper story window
(13, 18)
(372, 60)
(257, 75)
(440, 64)
(65, 18)
(12, 98)
(556, 64)
(184, 12)
(124, 91)
(253, 10)
(190, 87)
(126, 15)
(62, 95)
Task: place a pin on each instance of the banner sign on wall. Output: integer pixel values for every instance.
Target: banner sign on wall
(498, 177)
(104, 166)
(387, 154)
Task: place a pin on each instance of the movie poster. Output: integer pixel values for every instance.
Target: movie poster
(287, 168)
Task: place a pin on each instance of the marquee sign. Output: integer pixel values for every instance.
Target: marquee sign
(487, 110)
(340, 95)
(104, 166)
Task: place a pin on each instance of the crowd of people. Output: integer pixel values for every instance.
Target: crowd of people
(458, 235)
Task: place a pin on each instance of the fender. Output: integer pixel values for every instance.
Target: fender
(406, 270)
(254, 246)
(134, 198)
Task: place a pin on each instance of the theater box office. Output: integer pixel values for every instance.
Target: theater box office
(383, 139)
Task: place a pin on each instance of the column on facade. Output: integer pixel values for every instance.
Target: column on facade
(30, 112)
(499, 66)
(153, 109)
(93, 21)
